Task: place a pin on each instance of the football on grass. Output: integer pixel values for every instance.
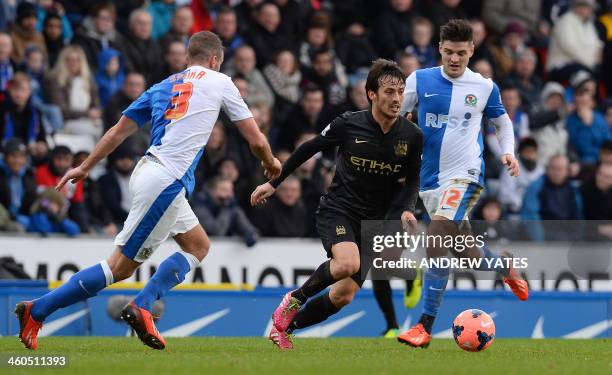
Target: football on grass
(473, 330)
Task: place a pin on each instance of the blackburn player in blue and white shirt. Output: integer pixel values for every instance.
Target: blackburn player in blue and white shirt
(452, 101)
(182, 110)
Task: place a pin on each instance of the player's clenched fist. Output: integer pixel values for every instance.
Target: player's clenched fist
(73, 175)
(273, 170)
(261, 193)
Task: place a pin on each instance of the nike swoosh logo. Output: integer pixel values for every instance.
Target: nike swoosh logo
(432, 288)
(429, 95)
(485, 325)
(360, 140)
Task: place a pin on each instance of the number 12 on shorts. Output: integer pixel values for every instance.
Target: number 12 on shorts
(181, 93)
(450, 198)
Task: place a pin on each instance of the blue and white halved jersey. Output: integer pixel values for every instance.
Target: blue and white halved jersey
(183, 110)
(450, 113)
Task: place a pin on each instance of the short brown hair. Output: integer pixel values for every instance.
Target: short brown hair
(203, 45)
(19, 79)
(383, 69)
(456, 30)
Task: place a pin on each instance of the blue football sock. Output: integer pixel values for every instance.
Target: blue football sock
(170, 273)
(434, 284)
(494, 261)
(81, 286)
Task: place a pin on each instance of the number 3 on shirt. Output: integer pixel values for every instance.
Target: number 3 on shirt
(180, 101)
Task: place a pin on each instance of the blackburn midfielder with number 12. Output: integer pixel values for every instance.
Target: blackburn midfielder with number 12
(376, 148)
(182, 110)
(452, 101)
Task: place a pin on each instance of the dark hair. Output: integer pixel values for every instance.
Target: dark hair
(527, 142)
(606, 146)
(60, 151)
(380, 70)
(456, 30)
(310, 88)
(508, 87)
(203, 45)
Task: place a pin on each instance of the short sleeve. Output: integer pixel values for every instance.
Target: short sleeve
(494, 107)
(410, 94)
(140, 109)
(233, 104)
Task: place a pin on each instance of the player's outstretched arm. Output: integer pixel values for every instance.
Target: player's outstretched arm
(113, 138)
(260, 147)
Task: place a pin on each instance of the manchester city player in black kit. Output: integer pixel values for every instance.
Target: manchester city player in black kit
(377, 148)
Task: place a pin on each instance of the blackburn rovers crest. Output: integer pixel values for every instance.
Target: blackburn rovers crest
(471, 100)
(401, 148)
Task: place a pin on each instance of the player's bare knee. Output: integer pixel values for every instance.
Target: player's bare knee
(121, 272)
(345, 267)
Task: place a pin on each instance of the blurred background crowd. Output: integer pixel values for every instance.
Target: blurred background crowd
(68, 68)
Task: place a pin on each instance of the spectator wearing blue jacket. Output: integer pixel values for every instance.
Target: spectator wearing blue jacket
(551, 197)
(110, 74)
(45, 7)
(587, 128)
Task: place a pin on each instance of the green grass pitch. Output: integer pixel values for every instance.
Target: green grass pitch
(126, 356)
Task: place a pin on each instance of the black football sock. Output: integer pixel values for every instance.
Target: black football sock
(319, 280)
(427, 321)
(383, 295)
(315, 311)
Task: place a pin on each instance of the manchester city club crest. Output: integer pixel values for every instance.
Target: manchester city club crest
(471, 100)
(401, 149)
(340, 230)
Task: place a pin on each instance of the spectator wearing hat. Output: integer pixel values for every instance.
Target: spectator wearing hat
(20, 119)
(24, 32)
(110, 74)
(512, 189)
(547, 122)
(17, 186)
(49, 174)
(114, 185)
(574, 42)
(497, 14)
(587, 128)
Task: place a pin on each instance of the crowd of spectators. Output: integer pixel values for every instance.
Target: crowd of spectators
(68, 68)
